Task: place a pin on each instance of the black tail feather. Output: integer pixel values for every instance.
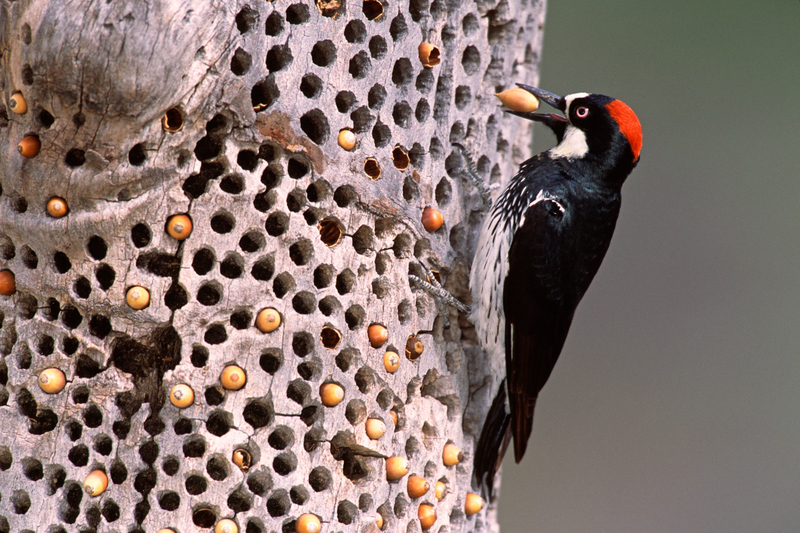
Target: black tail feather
(492, 445)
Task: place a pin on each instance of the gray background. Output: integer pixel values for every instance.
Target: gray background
(675, 404)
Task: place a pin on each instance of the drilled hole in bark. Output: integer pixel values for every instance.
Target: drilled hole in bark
(194, 446)
(330, 337)
(232, 266)
(323, 276)
(105, 276)
(301, 252)
(264, 93)
(216, 334)
(241, 62)
(172, 120)
(274, 24)
(271, 360)
(359, 65)
(82, 287)
(277, 223)
(354, 316)
(209, 293)
(241, 319)
(311, 86)
(372, 169)
(330, 231)
(401, 113)
(264, 268)
(315, 125)
(283, 284)
(279, 57)
(329, 305)
(204, 517)
(232, 184)
(171, 465)
(344, 101)
(398, 28)
(302, 343)
(75, 158)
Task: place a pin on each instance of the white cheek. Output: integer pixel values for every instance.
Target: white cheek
(573, 146)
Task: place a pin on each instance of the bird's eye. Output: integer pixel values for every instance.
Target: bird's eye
(582, 112)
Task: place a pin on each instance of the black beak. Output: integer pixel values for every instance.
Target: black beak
(554, 121)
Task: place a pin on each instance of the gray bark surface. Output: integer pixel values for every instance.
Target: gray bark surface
(263, 89)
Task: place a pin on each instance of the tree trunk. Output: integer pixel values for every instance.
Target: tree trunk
(229, 112)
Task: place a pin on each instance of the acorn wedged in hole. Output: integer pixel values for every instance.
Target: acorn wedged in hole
(330, 231)
(57, 207)
(181, 396)
(233, 377)
(375, 428)
(307, 523)
(8, 284)
(29, 146)
(378, 335)
(17, 104)
(417, 487)
(426, 515)
(432, 219)
(414, 348)
(372, 168)
(137, 297)
(95, 483)
(396, 467)
(268, 320)
(226, 525)
(179, 227)
(472, 504)
(451, 454)
(52, 380)
(439, 490)
(331, 394)
(391, 361)
(347, 139)
(172, 121)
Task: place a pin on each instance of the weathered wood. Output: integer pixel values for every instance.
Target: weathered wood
(262, 90)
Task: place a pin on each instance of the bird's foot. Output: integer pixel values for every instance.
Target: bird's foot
(470, 172)
(440, 295)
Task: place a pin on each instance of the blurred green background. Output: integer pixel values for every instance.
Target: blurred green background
(675, 405)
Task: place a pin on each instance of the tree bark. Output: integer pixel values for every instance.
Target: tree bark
(229, 112)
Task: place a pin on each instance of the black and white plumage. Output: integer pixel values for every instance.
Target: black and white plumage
(540, 247)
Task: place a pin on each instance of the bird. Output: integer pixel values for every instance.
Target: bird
(541, 244)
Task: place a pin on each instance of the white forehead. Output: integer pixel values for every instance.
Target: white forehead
(570, 97)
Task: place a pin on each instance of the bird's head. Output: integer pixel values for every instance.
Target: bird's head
(592, 125)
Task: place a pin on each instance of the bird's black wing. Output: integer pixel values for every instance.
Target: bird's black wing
(538, 307)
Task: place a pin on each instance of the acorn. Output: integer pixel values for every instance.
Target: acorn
(439, 490)
(391, 361)
(432, 219)
(472, 504)
(29, 146)
(181, 396)
(95, 483)
(417, 487)
(393, 416)
(518, 99)
(268, 320)
(396, 467)
(226, 525)
(427, 516)
(451, 454)
(378, 335)
(52, 380)
(8, 285)
(414, 348)
(233, 377)
(137, 297)
(375, 428)
(57, 207)
(379, 520)
(307, 523)
(331, 394)
(429, 54)
(166, 530)
(179, 227)
(242, 459)
(347, 139)
(18, 104)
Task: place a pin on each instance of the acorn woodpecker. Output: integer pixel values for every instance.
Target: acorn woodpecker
(541, 244)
